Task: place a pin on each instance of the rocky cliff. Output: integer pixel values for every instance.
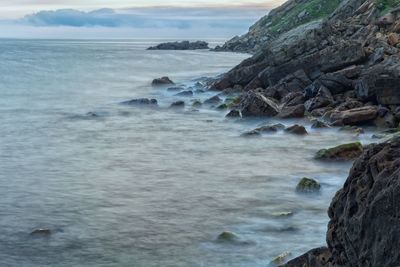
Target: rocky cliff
(290, 15)
(345, 69)
(365, 214)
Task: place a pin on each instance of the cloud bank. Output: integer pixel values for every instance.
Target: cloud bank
(149, 22)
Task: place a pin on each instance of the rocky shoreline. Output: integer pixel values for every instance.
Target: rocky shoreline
(341, 71)
(183, 45)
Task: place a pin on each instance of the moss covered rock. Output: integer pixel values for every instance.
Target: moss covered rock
(343, 152)
(308, 185)
(227, 237)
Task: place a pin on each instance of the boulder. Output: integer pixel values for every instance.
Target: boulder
(197, 103)
(270, 128)
(364, 214)
(163, 81)
(255, 104)
(296, 129)
(355, 116)
(340, 153)
(308, 185)
(292, 111)
(322, 99)
(140, 101)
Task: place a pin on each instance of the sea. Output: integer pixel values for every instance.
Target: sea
(146, 186)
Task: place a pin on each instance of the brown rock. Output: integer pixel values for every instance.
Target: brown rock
(355, 116)
(393, 39)
(292, 111)
(296, 129)
(162, 81)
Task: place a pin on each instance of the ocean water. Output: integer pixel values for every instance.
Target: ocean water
(140, 186)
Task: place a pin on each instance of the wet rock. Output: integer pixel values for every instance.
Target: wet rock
(271, 128)
(322, 99)
(178, 104)
(257, 105)
(319, 257)
(318, 124)
(308, 185)
(41, 232)
(234, 114)
(341, 153)
(336, 83)
(252, 133)
(355, 116)
(227, 237)
(292, 111)
(175, 89)
(183, 45)
(141, 101)
(280, 259)
(293, 99)
(296, 129)
(213, 100)
(163, 81)
(364, 222)
(187, 93)
(349, 104)
(197, 103)
(222, 106)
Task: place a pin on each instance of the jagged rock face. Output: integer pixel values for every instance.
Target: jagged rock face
(282, 19)
(364, 228)
(256, 105)
(319, 257)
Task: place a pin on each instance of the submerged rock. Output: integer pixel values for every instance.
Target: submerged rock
(213, 100)
(41, 232)
(308, 185)
(141, 101)
(234, 114)
(187, 93)
(296, 129)
(342, 152)
(227, 237)
(197, 103)
(178, 104)
(162, 81)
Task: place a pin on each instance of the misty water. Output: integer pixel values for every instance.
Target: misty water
(140, 186)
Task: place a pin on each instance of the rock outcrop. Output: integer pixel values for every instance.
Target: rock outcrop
(184, 45)
(343, 68)
(364, 215)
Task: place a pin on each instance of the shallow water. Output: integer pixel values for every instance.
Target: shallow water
(139, 186)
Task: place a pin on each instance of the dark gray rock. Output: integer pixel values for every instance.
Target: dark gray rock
(213, 100)
(178, 104)
(163, 81)
(292, 111)
(296, 129)
(255, 104)
(184, 45)
(234, 114)
(140, 101)
(318, 257)
(364, 214)
(187, 93)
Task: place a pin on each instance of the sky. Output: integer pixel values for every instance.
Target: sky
(176, 19)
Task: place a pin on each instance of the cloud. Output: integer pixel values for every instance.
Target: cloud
(148, 22)
(180, 18)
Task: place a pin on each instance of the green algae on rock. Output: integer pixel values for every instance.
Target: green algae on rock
(308, 185)
(341, 153)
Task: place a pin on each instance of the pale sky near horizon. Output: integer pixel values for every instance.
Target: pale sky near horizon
(18, 8)
(130, 18)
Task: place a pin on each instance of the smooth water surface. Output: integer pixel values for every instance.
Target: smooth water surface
(139, 186)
